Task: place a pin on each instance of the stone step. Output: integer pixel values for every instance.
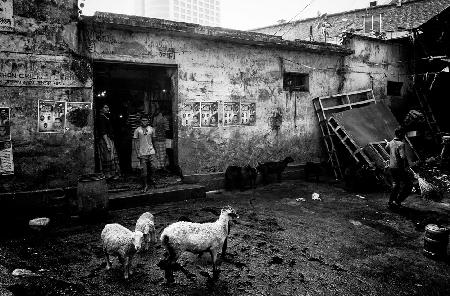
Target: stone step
(130, 199)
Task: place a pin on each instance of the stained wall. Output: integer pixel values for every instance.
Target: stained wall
(38, 61)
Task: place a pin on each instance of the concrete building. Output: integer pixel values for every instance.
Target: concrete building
(203, 12)
(229, 92)
(40, 71)
(385, 21)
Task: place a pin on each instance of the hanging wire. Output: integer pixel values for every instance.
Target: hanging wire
(284, 25)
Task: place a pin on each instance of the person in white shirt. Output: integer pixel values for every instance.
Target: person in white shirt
(145, 151)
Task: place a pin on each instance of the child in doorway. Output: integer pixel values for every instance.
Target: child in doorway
(143, 138)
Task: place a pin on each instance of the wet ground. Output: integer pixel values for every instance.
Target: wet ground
(343, 244)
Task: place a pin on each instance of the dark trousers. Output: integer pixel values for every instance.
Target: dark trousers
(402, 185)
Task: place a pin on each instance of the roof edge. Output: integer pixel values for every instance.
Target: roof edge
(137, 23)
(337, 14)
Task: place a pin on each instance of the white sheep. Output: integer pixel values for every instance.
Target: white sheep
(122, 242)
(146, 225)
(197, 238)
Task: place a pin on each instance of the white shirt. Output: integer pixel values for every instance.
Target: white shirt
(144, 135)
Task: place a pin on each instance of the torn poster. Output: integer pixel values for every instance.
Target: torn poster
(231, 113)
(210, 115)
(51, 116)
(5, 127)
(78, 115)
(190, 114)
(6, 158)
(248, 113)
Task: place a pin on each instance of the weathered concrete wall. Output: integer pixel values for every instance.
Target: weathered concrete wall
(213, 71)
(373, 64)
(37, 63)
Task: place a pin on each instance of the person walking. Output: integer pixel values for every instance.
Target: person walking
(399, 170)
(109, 161)
(145, 151)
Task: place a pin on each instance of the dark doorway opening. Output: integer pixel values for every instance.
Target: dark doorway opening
(131, 91)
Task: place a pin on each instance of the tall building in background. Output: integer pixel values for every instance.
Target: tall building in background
(203, 12)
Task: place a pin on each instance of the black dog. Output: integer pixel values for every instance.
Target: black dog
(273, 167)
(313, 170)
(240, 177)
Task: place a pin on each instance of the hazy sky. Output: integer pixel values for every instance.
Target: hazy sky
(248, 14)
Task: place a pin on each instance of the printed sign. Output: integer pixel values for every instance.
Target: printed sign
(190, 114)
(51, 116)
(248, 113)
(210, 115)
(42, 71)
(6, 158)
(231, 113)
(6, 15)
(5, 119)
(77, 115)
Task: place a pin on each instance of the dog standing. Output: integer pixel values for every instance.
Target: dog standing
(240, 177)
(273, 167)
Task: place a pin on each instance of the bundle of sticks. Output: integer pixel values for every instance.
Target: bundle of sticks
(427, 189)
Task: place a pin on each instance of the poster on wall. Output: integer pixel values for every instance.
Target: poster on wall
(51, 116)
(5, 119)
(6, 15)
(248, 113)
(231, 113)
(190, 114)
(6, 159)
(77, 115)
(210, 115)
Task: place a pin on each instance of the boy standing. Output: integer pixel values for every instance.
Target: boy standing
(398, 168)
(143, 137)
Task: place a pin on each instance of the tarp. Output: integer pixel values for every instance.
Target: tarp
(373, 123)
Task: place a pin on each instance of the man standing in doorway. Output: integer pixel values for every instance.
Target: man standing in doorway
(161, 125)
(399, 170)
(109, 160)
(143, 138)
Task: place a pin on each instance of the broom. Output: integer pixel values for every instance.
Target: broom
(427, 190)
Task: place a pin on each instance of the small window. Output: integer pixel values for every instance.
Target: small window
(372, 23)
(296, 81)
(394, 88)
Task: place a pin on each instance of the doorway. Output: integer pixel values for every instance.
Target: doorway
(133, 91)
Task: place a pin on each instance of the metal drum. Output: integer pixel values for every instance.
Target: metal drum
(435, 241)
(92, 195)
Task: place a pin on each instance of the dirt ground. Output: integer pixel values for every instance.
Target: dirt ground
(342, 245)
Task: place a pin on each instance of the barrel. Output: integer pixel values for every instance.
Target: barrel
(92, 195)
(435, 241)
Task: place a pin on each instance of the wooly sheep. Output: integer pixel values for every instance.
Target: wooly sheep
(121, 242)
(239, 177)
(197, 238)
(273, 167)
(146, 225)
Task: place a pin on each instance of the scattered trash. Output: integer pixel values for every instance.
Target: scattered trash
(360, 196)
(300, 199)
(315, 196)
(419, 285)
(22, 272)
(39, 223)
(356, 223)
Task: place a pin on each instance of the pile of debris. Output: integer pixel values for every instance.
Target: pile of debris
(437, 173)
